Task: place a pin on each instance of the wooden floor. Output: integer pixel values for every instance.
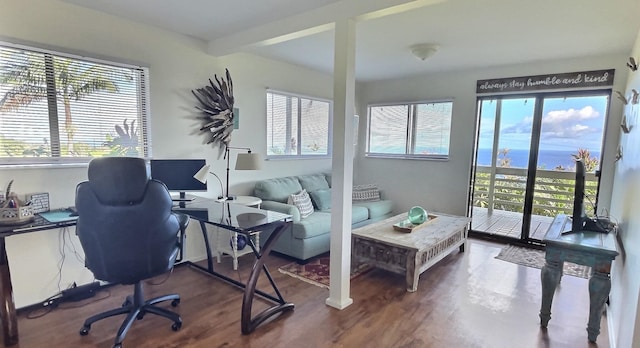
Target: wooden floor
(469, 299)
(508, 223)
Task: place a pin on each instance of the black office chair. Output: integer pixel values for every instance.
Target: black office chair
(128, 234)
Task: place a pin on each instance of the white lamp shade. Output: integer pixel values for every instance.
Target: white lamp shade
(248, 161)
(201, 175)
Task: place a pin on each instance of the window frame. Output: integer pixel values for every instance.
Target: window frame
(142, 122)
(299, 132)
(411, 130)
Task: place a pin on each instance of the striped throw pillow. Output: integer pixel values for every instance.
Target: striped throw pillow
(365, 193)
(302, 201)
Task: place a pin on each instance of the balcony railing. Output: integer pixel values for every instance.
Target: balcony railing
(503, 188)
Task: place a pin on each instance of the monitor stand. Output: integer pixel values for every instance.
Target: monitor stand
(182, 198)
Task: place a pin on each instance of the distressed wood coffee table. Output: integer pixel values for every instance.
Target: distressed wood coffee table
(379, 245)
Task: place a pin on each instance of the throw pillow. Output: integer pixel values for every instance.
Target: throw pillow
(321, 199)
(365, 193)
(302, 201)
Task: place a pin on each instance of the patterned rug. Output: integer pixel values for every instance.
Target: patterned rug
(535, 258)
(316, 271)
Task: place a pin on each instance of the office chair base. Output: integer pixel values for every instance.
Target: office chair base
(135, 307)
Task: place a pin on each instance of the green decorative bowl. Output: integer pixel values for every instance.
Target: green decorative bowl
(418, 215)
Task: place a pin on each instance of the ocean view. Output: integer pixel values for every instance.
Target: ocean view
(546, 159)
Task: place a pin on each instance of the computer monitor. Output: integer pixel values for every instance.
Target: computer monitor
(580, 220)
(177, 174)
(579, 216)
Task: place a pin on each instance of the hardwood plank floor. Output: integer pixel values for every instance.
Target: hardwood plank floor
(469, 299)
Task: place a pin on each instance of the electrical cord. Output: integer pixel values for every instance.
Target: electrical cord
(166, 277)
(53, 302)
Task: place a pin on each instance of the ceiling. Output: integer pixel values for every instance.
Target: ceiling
(470, 34)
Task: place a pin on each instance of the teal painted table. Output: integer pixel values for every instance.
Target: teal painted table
(593, 249)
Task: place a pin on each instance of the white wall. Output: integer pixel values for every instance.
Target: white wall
(177, 64)
(624, 310)
(443, 185)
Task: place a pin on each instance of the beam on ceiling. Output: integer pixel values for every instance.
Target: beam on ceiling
(311, 22)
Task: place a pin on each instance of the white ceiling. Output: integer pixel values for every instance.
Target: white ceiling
(471, 33)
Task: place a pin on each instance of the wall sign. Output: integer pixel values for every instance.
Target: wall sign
(584, 79)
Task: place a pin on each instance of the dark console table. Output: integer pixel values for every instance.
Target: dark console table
(593, 249)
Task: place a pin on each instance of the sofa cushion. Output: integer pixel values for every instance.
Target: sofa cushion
(316, 224)
(359, 214)
(313, 182)
(376, 209)
(319, 223)
(277, 189)
(302, 201)
(321, 199)
(365, 193)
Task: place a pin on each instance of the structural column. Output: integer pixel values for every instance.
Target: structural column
(342, 163)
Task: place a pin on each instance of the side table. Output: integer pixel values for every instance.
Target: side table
(593, 249)
(226, 241)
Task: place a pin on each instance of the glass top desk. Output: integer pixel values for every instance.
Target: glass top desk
(234, 217)
(245, 220)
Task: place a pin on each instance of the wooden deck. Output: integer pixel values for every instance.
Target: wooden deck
(508, 223)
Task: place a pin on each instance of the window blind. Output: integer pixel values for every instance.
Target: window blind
(297, 125)
(420, 130)
(62, 108)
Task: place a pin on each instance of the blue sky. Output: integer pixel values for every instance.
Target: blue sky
(567, 123)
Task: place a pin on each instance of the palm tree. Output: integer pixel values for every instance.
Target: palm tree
(590, 163)
(74, 80)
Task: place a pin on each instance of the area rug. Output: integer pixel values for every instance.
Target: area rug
(535, 258)
(316, 271)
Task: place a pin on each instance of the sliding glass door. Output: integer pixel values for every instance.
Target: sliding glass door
(524, 165)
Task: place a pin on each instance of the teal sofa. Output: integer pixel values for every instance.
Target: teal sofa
(309, 236)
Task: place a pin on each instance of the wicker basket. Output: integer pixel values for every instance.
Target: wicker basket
(16, 216)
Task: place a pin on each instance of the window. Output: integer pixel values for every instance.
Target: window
(417, 130)
(297, 126)
(58, 108)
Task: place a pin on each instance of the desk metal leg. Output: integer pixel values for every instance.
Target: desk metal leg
(203, 226)
(8, 308)
(247, 323)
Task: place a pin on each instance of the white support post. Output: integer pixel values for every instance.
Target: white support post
(342, 162)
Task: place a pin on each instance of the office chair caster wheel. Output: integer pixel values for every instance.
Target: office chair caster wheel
(126, 302)
(140, 316)
(175, 303)
(85, 330)
(176, 326)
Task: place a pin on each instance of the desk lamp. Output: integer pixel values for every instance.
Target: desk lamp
(244, 161)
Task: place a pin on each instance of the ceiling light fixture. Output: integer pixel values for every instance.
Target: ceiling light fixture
(423, 51)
